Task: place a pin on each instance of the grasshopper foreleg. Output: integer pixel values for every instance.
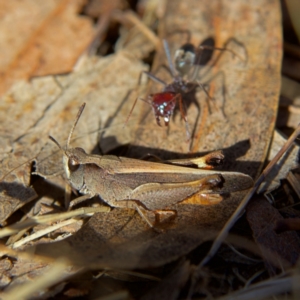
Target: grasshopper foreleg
(80, 200)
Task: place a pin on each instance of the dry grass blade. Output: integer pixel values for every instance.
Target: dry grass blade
(133, 18)
(9, 230)
(41, 233)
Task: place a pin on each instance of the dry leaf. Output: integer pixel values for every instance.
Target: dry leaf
(5, 267)
(290, 89)
(263, 218)
(14, 185)
(100, 8)
(294, 7)
(37, 279)
(41, 39)
(287, 225)
(170, 287)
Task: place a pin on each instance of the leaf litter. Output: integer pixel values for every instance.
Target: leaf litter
(29, 41)
(112, 234)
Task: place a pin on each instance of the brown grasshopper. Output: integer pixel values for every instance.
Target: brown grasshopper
(138, 184)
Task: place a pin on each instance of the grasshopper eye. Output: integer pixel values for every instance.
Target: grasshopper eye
(73, 164)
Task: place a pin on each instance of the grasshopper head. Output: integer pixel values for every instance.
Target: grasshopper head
(74, 168)
(72, 163)
(73, 158)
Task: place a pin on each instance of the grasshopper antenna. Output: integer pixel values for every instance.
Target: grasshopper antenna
(56, 143)
(71, 132)
(74, 125)
(167, 50)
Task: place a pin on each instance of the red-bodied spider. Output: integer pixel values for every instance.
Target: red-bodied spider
(164, 103)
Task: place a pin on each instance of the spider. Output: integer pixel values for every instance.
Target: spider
(164, 103)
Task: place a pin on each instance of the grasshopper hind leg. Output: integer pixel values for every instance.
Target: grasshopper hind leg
(158, 221)
(139, 209)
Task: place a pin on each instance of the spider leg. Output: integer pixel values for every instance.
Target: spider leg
(183, 115)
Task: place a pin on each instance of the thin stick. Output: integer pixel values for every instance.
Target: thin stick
(135, 20)
(42, 232)
(30, 222)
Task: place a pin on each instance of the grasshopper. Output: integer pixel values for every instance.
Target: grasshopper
(145, 185)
